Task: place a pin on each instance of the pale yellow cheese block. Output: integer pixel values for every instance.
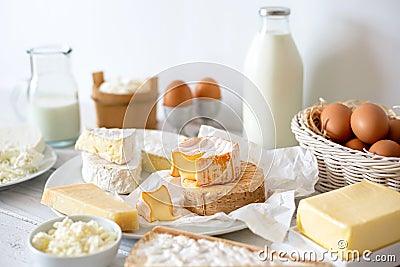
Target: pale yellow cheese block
(90, 200)
(208, 200)
(362, 216)
(156, 205)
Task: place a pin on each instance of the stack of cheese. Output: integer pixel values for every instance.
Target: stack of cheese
(110, 159)
(213, 177)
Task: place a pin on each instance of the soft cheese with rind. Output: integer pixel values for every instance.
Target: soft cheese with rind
(122, 179)
(208, 200)
(89, 199)
(156, 205)
(206, 160)
(156, 148)
(115, 145)
(21, 136)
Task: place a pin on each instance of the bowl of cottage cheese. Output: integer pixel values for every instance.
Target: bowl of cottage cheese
(77, 240)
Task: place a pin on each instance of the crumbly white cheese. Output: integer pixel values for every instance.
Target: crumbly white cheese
(120, 86)
(170, 250)
(69, 238)
(18, 162)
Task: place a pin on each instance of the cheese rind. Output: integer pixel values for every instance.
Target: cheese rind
(122, 179)
(156, 205)
(115, 145)
(207, 160)
(208, 200)
(91, 200)
(364, 215)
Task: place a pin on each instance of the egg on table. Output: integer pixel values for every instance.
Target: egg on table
(207, 88)
(369, 123)
(335, 121)
(178, 93)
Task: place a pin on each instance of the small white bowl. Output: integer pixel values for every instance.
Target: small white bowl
(98, 259)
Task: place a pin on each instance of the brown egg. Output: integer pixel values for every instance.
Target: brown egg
(369, 123)
(394, 130)
(335, 120)
(356, 144)
(387, 148)
(207, 88)
(177, 94)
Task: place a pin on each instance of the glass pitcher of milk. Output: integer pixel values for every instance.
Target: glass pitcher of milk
(273, 64)
(53, 95)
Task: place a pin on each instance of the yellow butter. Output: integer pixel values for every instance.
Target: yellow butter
(362, 216)
(156, 205)
(90, 200)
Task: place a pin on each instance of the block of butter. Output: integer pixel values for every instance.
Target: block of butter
(90, 200)
(361, 216)
(115, 145)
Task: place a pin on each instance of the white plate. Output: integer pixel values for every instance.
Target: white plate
(70, 173)
(48, 161)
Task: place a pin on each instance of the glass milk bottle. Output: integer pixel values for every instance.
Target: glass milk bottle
(274, 65)
(53, 95)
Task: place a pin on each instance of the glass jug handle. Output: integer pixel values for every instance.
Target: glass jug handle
(19, 99)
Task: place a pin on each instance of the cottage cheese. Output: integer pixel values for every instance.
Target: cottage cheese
(69, 238)
(120, 86)
(16, 163)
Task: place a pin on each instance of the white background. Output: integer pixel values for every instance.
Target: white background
(350, 49)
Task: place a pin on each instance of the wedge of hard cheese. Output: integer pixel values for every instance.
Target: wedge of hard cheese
(91, 200)
(122, 179)
(156, 205)
(362, 216)
(206, 161)
(208, 200)
(115, 145)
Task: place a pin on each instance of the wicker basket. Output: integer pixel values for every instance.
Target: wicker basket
(339, 165)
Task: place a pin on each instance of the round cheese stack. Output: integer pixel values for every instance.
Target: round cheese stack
(208, 200)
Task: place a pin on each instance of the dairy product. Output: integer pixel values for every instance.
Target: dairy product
(208, 200)
(206, 160)
(21, 136)
(156, 205)
(122, 86)
(362, 216)
(122, 179)
(57, 117)
(156, 148)
(274, 65)
(90, 200)
(69, 238)
(115, 145)
(16, 163)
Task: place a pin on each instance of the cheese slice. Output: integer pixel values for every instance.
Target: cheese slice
(22, 136)
(156, 148)
(156, 205)
(362, 216)
(90, 200)
(122, 179)
(115, 145)
(206, 160)
(208, 200)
